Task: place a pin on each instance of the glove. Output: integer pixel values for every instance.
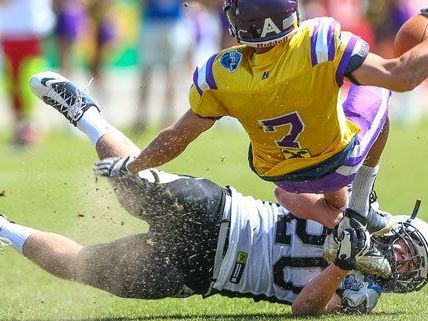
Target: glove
(353, 243)
(360, 294)
(112, 166)
(373, 262)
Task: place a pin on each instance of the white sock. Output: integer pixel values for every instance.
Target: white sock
(16, 234)
(94, 125)
(361, 188)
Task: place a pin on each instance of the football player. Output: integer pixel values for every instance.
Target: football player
(283, 85)
(24, 27)
(206, 239)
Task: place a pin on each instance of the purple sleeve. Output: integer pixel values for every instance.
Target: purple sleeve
(354, 55)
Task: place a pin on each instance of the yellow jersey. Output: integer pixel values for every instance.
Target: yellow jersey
(287, 99)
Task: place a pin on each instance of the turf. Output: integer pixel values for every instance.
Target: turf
(52, 188)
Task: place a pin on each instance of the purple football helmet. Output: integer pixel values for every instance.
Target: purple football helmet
(262, 23)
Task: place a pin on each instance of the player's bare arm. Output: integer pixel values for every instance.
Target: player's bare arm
(319, 295)
(398, 74)
(172, 141)
(409, 68)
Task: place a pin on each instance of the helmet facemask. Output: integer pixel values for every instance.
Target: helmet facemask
(409, 274)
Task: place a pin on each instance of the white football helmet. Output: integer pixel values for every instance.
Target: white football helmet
(409, 272)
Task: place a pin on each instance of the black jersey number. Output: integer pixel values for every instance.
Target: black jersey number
(282, 238)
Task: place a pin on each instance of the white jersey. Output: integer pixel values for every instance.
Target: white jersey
(271, 253)
(24, 18)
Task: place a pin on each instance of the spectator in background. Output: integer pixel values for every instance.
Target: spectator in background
(165, 41)
(226, 39)
(70, 18)
(387, 17)
(102, 20)
(23, 25)
(206, 29)
(350, 14)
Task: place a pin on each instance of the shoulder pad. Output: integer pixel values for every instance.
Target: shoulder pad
(323, 39)
(203, 77)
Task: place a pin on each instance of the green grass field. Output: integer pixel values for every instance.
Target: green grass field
(52, 188)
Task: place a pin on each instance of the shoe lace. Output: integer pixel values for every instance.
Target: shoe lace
(76, 109)
(4, 242)
(72, 109)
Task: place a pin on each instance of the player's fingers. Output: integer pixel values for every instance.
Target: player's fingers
(100, 171)
(102, 168)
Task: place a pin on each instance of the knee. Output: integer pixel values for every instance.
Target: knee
(280, 195)
(332, 222)
(128, 197)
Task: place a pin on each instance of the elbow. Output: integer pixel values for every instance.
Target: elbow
(301, 309)
(298, 310)
(171, 134)
(405, 84)
(412, 83)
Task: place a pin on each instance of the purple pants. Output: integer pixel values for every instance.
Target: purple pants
(368, 108)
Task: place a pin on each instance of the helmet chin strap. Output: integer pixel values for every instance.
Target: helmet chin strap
(415, 211)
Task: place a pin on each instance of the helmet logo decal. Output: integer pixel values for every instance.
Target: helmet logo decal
(269, 27)
(290, 21)
(231, 60)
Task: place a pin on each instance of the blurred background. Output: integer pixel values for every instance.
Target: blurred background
(142, 54)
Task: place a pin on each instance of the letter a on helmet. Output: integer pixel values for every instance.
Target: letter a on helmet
(269, 27)
(262, 23)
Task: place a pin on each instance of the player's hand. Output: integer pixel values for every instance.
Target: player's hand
(112, 166)
(373, 262)
(353, 243)
(360, 296)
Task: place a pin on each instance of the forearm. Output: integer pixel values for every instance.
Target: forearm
(319, 295)
(398, 74)
(411, 68)
(167, 145)
(171, 142)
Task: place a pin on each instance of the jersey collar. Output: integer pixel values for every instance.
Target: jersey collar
(269, 56)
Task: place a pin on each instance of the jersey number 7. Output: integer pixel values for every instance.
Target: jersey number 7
(289, 144)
